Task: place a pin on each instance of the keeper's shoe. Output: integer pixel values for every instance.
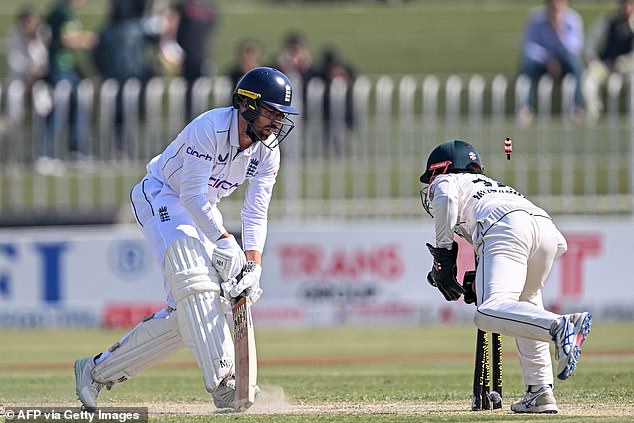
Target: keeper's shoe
(537, 401)
(569, 334)
(86, 388)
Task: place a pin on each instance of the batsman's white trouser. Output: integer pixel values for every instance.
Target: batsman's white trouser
(150, 342)
(516, 251)
(189, 277)
(195, 287)
(163, 219)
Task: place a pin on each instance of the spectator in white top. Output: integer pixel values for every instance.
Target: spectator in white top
(27, 51)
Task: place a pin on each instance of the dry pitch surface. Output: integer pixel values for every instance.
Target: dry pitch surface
(273, 401)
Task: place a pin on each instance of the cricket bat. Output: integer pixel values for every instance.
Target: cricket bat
(245, 354)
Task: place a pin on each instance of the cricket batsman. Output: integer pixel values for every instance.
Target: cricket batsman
(175, 206)
(515, 243)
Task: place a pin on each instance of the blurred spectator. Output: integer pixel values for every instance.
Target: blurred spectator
(121, 54)
(27, 50)
(610, 48)
(296, 61)
(248, 57)
(552, 45)
(171, 54)
(338, 106)
(197, 19)
(66, 38)
(127, 9)
(295, 58)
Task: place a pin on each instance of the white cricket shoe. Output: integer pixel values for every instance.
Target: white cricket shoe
(539, 401)
(225, 394)
(86, 388)
(569, 335)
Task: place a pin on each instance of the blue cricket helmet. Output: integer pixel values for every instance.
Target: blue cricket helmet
(265, 88)
(268, 86)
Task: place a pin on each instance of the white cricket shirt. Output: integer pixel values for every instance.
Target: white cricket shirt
(204, 164)
(461, 201)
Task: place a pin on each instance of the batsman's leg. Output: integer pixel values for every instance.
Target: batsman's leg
(150, 342)
(195, 287)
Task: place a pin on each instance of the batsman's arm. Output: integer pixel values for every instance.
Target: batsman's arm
(253, 255)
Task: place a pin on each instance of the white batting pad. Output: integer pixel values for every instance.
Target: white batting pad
(150, 342)
(204, 329)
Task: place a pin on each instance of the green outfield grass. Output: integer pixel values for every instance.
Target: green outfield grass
(343, 375)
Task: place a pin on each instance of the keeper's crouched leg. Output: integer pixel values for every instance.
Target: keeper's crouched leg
(195, 287)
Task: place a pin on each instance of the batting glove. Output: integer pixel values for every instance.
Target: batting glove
(444, 271)
(228, 258)
(248, 285)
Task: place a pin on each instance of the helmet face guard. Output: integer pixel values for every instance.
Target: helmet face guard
(425, 199)
(277, 136)
(266, 89)
(436, 169)
(253, 108)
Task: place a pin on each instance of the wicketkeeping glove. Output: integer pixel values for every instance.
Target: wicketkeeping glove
(444, 271)
(468, 284)
(248, 283)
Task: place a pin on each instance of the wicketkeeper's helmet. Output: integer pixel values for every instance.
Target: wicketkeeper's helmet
(270, 88)
(455, 156)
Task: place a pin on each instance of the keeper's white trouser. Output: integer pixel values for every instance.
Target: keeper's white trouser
(516, 250)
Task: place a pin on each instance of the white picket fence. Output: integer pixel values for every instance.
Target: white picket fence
(369, 170)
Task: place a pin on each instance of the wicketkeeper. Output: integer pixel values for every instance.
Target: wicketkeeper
(175, 205)
(516, 244)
